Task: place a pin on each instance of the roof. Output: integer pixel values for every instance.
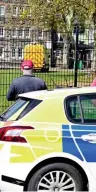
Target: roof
(57, 92)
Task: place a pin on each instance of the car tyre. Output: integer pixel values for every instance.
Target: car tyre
(71, 173)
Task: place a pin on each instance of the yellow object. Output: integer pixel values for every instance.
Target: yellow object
(35, 53)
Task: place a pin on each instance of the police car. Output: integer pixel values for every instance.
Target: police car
(48, 141)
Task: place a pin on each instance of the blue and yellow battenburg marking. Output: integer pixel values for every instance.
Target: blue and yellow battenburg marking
(75, 145)
(65, 138)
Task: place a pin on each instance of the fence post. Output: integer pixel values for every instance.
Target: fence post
(53, 48)
(76, 58)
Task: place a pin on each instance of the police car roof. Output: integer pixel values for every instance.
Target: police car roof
(59, 92)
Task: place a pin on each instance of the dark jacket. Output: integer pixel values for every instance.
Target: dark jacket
(26, 83)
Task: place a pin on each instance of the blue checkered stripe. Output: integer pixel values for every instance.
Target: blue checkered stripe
(73, 143)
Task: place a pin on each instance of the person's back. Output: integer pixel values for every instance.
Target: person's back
(26, 83)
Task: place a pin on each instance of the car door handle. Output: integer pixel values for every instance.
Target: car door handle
(91, 138)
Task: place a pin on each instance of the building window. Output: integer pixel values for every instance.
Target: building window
(20, 33)
(15, 10)
(2, 10)
(21, 10)
(1, 32)
(46, 35)
(1, 52)
(13, 52)
(14, 32)
(27, 32)
(40, 34)
(20, 53)
(17, 53)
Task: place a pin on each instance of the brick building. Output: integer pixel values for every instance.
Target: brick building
(14, 37)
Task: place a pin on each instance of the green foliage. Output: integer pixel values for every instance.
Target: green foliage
(60, 14)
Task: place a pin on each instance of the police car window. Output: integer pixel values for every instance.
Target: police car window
(88, 104)
(31, 105)
(73, 110)
(13, 109)
(82, 108)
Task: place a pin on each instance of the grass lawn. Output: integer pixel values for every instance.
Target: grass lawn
(52, 79)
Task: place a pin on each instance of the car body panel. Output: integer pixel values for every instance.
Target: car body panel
(22, 170)
(88, 148)
(40, 114)
(52, 135)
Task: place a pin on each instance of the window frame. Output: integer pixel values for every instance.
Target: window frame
(15, 15)
(20, 36)
(11, 52)
(80, 107)
(40, 36)
(21, 9)
(20, 57)
(3, 32)
(4, 10)
(14, 36)
(27, 37)
(2, 56)
(17, 57)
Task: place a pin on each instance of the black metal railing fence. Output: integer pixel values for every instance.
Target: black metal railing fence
(59, 60)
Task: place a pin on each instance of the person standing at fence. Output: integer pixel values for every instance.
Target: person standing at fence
(26, 83)
(93, 84)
